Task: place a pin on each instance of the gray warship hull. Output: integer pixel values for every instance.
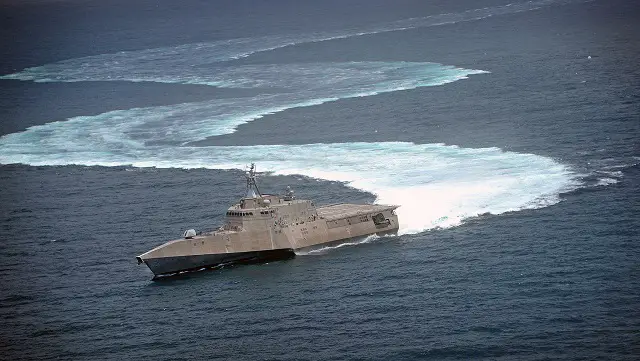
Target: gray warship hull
(170, 266)
(166, 266)
(267, 227)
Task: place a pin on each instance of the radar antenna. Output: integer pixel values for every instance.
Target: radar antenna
(288, 195)
(252, 186)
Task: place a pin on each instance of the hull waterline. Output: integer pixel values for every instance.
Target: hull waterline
(168, 266)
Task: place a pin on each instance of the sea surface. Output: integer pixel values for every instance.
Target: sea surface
(506, 130)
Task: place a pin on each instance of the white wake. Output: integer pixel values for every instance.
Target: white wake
(435, 185)
(195, 63)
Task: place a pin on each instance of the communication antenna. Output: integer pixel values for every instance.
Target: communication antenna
(252, 186)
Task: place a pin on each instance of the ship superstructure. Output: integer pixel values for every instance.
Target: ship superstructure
(263, 227)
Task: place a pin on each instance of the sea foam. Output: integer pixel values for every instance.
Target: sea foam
(300, 85)
(198, 63)
(435, 185)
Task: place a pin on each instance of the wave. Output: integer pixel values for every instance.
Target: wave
(195, 63)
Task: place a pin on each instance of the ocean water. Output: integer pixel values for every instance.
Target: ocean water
(506, 131)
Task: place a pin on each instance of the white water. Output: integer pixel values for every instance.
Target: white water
(202, 63)
(325, 249)
(435, 185)
(308, 84)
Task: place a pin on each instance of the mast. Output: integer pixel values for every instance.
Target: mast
(252, 186)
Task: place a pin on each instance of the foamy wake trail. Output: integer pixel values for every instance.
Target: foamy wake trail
(435, 185)
(300, 85)
(199, 63)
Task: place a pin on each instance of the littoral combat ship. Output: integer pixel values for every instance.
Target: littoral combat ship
(263, 227)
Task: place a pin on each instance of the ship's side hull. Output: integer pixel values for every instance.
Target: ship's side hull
(342, 241)
(164, 266)
(343, 222)
(167, 266)
(270, 237)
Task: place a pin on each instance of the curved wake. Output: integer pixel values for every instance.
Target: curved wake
(303, 85)
(194, 63)
(435, 185)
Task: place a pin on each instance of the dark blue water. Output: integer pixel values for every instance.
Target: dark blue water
(519, 186)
